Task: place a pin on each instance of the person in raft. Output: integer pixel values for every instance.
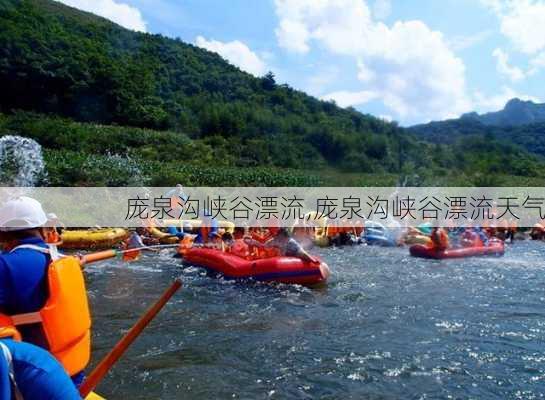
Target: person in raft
(53, 229)
(29, 372)
(30, 274)
(439, 238)
(286, 245)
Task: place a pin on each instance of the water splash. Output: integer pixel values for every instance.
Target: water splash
(21, 161)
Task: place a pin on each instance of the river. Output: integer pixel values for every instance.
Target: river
(387, 326)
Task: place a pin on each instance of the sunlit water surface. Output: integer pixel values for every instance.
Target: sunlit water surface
(387, 326)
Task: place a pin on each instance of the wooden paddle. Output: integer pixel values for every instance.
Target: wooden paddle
(119, 349)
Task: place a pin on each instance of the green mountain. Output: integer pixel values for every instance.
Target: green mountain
(58, 60)
(515, 113)
(114, 107)
(521, 123)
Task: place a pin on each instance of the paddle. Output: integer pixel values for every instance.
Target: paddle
(119, 349)
(106, 254)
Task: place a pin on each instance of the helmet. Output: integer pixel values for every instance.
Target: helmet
(21, 213)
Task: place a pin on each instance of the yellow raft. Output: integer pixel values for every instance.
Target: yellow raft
(417, 239)
(164, 238)
(94, 396)
(93, 238)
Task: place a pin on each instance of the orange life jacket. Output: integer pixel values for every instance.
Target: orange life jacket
(52, 236)
(260, 235)
(332, 230)
(358, 228)
(440, 239)
(65, 317)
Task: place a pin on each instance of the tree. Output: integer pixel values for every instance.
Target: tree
(268, 81)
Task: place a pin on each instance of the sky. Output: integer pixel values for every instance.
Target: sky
(409, 61)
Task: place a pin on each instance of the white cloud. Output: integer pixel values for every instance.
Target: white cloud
(382, 9)
(407, 65)
(463, 42)
(502, 65)
(120, 13)
(485, 103)
(292, 36)
(537, 63)
(237, 53)
(346, 98)
(522, 21)
(320, 81)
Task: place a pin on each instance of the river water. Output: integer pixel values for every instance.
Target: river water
(387, 326)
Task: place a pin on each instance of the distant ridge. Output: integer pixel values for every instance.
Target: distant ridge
(515, 113)
(520, 122)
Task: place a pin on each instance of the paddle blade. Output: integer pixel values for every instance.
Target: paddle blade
(131, 255)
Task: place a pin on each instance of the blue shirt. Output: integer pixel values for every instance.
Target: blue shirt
(172, 230)
(23, 285)
(211, 224)
(37, 374)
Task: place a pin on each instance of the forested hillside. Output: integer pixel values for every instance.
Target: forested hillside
(529, 136)
(54, 59)
(96, 95)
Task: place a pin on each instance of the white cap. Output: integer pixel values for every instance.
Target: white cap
(21, 213)
(52, 216)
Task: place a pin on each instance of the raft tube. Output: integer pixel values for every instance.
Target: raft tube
(291, 270)
(94, 396)
(92, 239)
(164, 238)
(379, 240)
(495, 248)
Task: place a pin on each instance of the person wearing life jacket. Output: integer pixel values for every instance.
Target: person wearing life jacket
(439, 238)
(238, 232)
(52, 230)
(29, 372)
(285, 246)
(42, 296)
(483, 236)
(208, 229)
(187, 240)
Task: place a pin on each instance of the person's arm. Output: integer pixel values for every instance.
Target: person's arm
(305, 256)
(300, 252)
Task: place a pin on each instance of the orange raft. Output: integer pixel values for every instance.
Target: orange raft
(494, 248)
(291, 270)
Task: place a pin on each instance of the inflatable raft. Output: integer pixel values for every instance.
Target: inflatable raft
(495, 248)
(274, 269)
(379, 240)
(92, 239)
(164, 238)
